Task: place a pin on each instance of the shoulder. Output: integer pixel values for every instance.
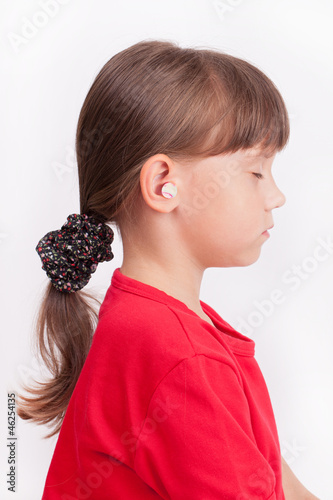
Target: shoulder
(134, 347)
(144, 326)
(149, 328)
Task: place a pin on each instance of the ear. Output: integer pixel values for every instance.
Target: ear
(155, 172)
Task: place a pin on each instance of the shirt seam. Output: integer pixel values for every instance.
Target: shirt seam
(203, 354)
(183, 327)
(164, 377)
(230, 348)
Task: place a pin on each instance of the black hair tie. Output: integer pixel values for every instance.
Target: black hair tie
(72, 254)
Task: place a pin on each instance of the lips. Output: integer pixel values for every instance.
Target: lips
(266, 231)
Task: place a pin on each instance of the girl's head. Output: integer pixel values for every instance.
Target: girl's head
(156, 113)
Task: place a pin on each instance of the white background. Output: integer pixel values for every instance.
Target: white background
(45, 79)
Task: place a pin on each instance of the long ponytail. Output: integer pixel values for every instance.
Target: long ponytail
(65, 326)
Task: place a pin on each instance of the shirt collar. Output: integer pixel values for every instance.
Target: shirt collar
(239, 343)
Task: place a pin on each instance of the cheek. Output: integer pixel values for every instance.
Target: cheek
(219, 207)
(233, 209)
(215, 225)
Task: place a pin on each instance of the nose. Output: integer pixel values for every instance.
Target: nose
(280, 198)
(275, 198)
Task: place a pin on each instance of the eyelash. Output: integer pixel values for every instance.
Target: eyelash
(259, 176)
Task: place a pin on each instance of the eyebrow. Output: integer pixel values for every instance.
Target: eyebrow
(255, 156)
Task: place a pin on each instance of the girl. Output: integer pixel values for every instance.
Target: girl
(175, 148)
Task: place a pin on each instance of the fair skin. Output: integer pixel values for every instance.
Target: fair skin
(174, 240)
(293, 489)
(217, 219)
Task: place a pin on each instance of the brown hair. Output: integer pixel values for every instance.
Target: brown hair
(153, 97)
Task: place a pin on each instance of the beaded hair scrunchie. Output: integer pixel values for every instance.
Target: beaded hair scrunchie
(71, 255)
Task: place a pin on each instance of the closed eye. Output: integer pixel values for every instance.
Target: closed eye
(258, 175)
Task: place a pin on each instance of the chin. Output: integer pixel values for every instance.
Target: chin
(237, 260)
(246, 260)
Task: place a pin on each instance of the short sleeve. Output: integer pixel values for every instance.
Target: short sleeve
(197, 442)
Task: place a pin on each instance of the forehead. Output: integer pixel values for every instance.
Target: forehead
(249, 158)
(256, 152)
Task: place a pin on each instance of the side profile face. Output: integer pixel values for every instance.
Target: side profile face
(218, 217)
(226, 204)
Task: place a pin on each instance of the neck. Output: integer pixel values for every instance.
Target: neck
(164, 263)
(179, 283)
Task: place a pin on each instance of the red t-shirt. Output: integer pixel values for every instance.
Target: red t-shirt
(166, 406)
